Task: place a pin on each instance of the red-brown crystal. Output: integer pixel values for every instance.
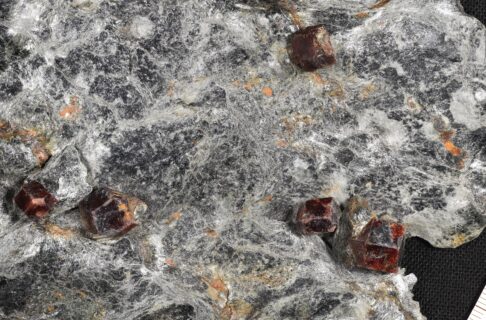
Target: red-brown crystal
(108, 213)
(310, 48)
(378, 245)
(34, 200)
(318, 216)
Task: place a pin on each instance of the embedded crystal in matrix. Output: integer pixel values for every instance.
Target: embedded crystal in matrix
(109, 213)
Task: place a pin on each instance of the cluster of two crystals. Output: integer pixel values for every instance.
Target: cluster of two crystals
(357, 237)
(105, 213)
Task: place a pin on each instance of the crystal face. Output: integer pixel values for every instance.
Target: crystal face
(34, 200)
(318, 216)
(311, 48)
(109, 213)
(378, 245)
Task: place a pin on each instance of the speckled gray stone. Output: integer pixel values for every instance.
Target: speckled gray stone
(194, 107)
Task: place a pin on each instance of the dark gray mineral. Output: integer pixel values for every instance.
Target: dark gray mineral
(195, 108)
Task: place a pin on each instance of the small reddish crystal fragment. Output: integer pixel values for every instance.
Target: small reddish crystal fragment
(378, 245)
(109, 213)
(34, 200)
(310, 48)
(318, 216)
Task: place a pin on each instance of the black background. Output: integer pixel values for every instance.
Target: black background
(475, 8)
(449, 280)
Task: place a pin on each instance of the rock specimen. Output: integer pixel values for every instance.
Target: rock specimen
(108, 213)
(35, 200)
(173, 104)
(318, 216)
(311, 48)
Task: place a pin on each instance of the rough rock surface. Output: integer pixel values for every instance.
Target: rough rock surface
(194, 107)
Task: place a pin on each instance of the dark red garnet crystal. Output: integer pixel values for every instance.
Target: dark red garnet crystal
(310, 48)
(108, 213)
(377, 246)
(318, 216)
(34, 200)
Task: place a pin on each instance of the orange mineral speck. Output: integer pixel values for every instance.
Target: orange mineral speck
(267, 91)
(452, 149)
(26, 133)
(379, 4)
(218, 284)
(58, 232)
(170, 262)
(71, 110)
(173, 217)
(250, 84)
(68, 112)
(445, 137)
(122, 207)
(294, 15)
(211, 233)
(41, 154)
(362, 15)
(367, 90)
(267, 198)
(281, 143)
(317, 79)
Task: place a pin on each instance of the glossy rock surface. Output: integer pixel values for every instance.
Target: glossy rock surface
(195, 107)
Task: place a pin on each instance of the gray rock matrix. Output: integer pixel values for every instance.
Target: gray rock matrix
(194, 107)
